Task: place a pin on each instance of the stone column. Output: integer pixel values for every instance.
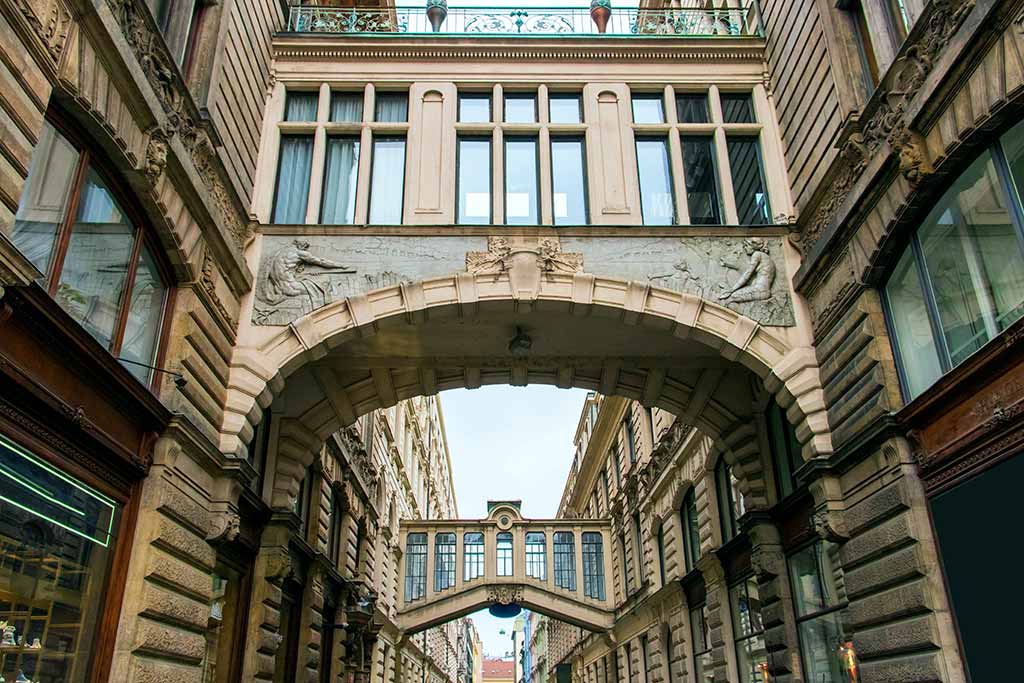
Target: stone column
(777, 615)
(718, 613)
(263, 637)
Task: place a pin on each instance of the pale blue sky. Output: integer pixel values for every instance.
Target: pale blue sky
(509, 443)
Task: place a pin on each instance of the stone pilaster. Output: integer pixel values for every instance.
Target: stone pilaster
(777, 615)
(263, 639)
(717, 602)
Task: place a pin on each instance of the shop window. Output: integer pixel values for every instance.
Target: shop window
(730, 500)
(415, 566)
(700, 634)
(473, 162)
(387, 181)
(98, 260)
(474, 108)
(569, 181)
(57, 539)
(648, 109)
(473, 555)
(748, 181)
(225, 631)
(504, 553)
(691, 530)
(536, 555)
(565, 108)
(657, 203)
(818, 598)
(593, 565)
(522, 197)
(960, 282)
(444, 561)
(520, 108)
(748, 631)
(785, 449)
(565, 560)
(701, 175)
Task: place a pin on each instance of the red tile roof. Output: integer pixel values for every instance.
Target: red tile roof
(499, 669)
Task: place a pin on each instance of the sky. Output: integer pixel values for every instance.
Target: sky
(509, 443)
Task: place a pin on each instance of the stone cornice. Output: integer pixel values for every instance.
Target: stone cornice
(317, 47)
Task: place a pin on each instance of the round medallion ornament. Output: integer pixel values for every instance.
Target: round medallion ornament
(504, 522)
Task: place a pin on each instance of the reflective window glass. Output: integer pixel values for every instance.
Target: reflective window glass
(391, 107)
(737, 108)
(648, 109)
(565, 560)
(473, 554)
(474, 180)
(415, 566)
(748, 182)
(504, 554)
(536, 555)
(701, 175)
(748, 631)
(910, 326)
(387, 182)
(341, 170)
(521, 195)
(444, 561)
(346, 107)
(145, 317)
(475, 108)
(656, 201)
(568, 181)
(294, 164)
(301, 106)
(520, 108)
(692, 108)
(593, 565)
(564, 109)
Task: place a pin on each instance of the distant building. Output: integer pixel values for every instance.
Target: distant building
(519, 647)
(498, 670)
(537, 644)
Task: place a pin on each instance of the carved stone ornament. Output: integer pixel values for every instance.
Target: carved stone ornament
(225, 527)
(525, 259)
(279, 565)
(505, 594)
(50, 21)
(767, 562)
(156, 154)
(209, 285)
(829, 526)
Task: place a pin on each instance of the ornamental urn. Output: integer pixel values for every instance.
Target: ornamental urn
(437, 10)
(600, 12)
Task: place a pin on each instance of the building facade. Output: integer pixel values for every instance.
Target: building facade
(240, 242)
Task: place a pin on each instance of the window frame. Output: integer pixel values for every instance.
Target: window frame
(580, 139)
(563, 96)
(729, 506)
(736, 637)
(538, 203)
(564, 574)
(666, 144)
(691, 529)
(535, 560)
(701, 611)
(445, 557)
(799, 619)
(596, 552)
(504, 557)
(143, 236)
(415, 584)
(459, 139)
(475, 560)
(389, 137)
(474, 95)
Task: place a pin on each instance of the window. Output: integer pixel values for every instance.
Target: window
(606, 487)
(593, 565)
(638, 547)
(657, 204)
(667, 651)
(628, 647)
(648, 109)
(569, 181)
(737, 108)
(475, 108)
(730, 500)
(661, 554)
(341, 169)
(645, 658)
(866, 51)
(627, 575)
(703, 668)
(818, 598)
(444, 561)
(536, 555)
(474, 180)
(97, 258)
(616, 465)
(391, 107)
(564, 108)
(748, 631)
(521, 196)
(520, 108)
(415, 566)
(898, 17)
(701, 175)
(387, 183)
(691, 530)
(346, 107)
(692, 108)
(473, 556)
(565, 560)
(504, 554)
(293, 168)
(627, 425)
(961, 280)
(785, 449)
(334, 528)
(748, 181)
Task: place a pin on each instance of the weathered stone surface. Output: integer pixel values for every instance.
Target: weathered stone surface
(904, 600)
(169, 605)
(903, 636)
(878, 506)
(170, 641)
(924, 668)
(170, 570)
(180, 540)
(891, 569)
(876, 541)
(184, 508)
(146, 670)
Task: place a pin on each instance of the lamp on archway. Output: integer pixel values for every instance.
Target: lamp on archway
(506, 611)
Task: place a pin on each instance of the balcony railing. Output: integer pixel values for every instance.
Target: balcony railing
(531, 21)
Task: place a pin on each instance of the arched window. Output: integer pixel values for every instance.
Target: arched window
(565, 560)
(593, 565)
(536, 555)
(99, 262)
(504, 554)
(691, 530)
(415, 567)
(444, 561)
(730, 500)
(473, 554)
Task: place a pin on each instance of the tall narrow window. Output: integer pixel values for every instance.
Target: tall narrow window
(730, 500)
(819, 598)
(661, 553)
(748, 181)
(341, 168)
(616, 465)
(703, 667)
(606, 487)
(387, 183)
(415, 566)
(521, 196)
(536, 555)
(668, 654)
(444, 561)
(474, 180)
(391, 107)
(473, 554)
(504, 553)
(638, 543)
(568, 181)
(869, 64)
(593, 565)
(701, 176)
(691, 530)
(748, 631)
(565, 560)
(645, 658)
(627, 425)
(293, 168)
(657, 204)
(785, 449)
(627, 575)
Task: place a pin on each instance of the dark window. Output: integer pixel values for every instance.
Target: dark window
(700, 634)
(293, 168)
(692, 108)
(748, 182)
(616, 464)
(661, 554)
(565, 560)
(730, 501)
(638, 543)
(387, 182)
(346, 107)
(785, 449)
(607, 488)
(341, 170)
(474, 180)
(667, 647)
(301, 106)
(627, 424)
(520, 108)
(657, 204)
(522, 198)
(701, 176)
(391, 107)
(473, 555)
(627, 575)
(748, 632)
(568, 181)
(691, 530)
(565, 108)
(334, 528)
(444, 561)
(475, 108)
(536, 555)
(648, 109)
(866, 51)
(737, 108)
(819, 598)
(415, 566)
(504, 553)
(898, 18)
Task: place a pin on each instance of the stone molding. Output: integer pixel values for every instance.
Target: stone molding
(49, 25)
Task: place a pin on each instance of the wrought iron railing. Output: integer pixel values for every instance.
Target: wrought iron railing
(503, 21)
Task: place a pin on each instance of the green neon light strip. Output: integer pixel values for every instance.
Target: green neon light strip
(37, 462)
(35, 488)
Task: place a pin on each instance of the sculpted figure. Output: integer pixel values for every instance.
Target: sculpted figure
(283, 273)
(755, 282)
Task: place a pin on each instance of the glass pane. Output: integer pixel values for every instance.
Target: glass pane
(346, 107)
(911, 329)
(474, 165)
(473, 552)
(475, 108)
(341, 169)
(656, 202)
(701, 176)
(536, 555)
(692, 108)
(226, 607)
(827, 652)
(569, 191)
(748, 181)
(752, 660)
(520, 109)
(145, 314)
(973, 259)
(392, 108)
(444, 561)
(564, 109)
(293, 178)
(415, 566)
(746, 609)
(57, 542)
(301, 106)
(737, 108)
(521, 181)
(388, 182)
(504, 554)
(648, 109)
(44, 198)
(96, 264)
(817, 579)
